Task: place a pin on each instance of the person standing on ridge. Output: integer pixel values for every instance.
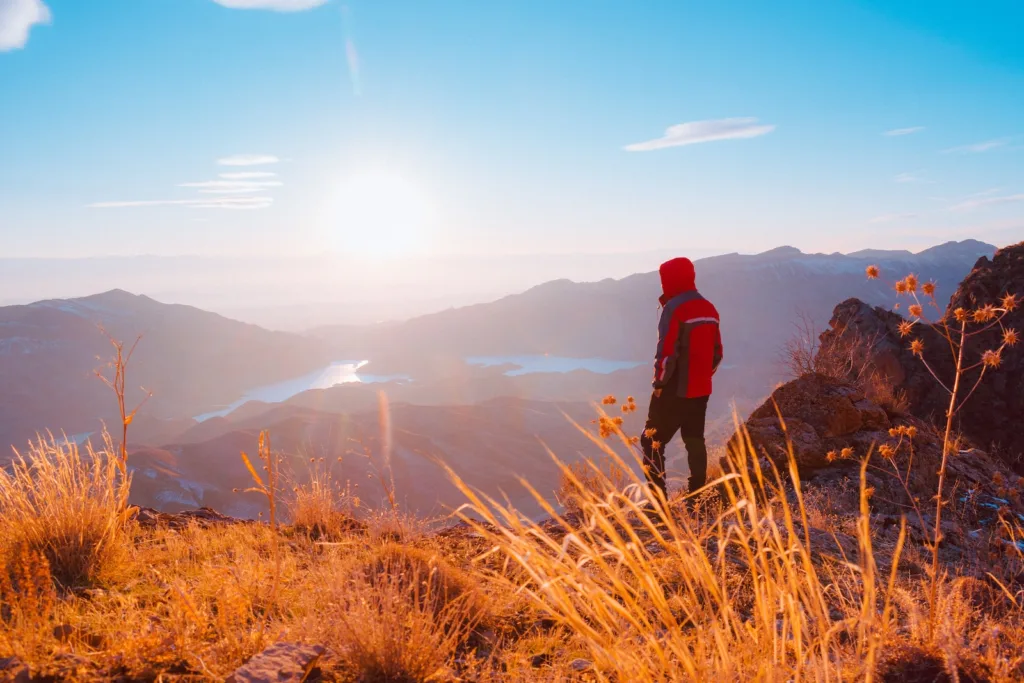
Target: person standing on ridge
(689, 352)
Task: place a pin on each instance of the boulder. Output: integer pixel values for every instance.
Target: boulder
(819, 415)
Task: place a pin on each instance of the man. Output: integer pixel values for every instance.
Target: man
(689, 352)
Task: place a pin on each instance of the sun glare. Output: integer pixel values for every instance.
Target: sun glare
(382, 215)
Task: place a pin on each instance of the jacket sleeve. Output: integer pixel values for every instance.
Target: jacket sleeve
(667, 353)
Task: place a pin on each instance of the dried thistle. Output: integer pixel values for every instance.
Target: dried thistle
(985, 314)
(1010, 302)
(917, 347)
(1010, 337)
(916, 310)
(992, 359)
(905, 328)
(911, 282)
(928, 288)
(872, 272)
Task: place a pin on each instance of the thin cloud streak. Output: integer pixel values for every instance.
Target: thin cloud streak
(248, 160)
(236, 190)
(704, 131)
(233, 184)
(205, 203)
(978, 147)
(247, 175)
(903, 131)
(273, 5)
(983, 201)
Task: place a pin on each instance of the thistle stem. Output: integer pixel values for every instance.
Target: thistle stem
(950, 412)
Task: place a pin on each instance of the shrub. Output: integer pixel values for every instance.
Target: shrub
(321, 507)
(66, 506)
(398, 614)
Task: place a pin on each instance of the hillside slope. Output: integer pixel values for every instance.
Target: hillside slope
(189, 358)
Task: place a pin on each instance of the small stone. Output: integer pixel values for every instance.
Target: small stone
(14, 670)
(581, 665)
(279, 663)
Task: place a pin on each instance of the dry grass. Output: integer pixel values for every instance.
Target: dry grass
(730, 592)
(68, 506)
(585, 478)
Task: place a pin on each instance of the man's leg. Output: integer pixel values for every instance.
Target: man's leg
(692, 416)
(662, 424)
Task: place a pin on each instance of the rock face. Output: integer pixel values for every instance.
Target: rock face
(820, 415)
(832, 427)
(992, 416)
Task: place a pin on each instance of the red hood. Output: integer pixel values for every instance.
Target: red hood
(677, 276)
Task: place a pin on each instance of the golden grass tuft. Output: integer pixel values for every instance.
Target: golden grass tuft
(398, 613)
(68, 506)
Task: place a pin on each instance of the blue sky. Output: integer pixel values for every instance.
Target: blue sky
(507, 127)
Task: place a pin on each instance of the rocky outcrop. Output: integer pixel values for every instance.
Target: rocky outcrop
(203, 517)
(832, 427)
(819, 416)
(992, 416)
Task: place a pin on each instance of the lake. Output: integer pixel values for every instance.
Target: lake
(339, 372)
(347, 372)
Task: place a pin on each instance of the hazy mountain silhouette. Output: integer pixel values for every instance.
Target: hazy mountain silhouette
(188, 358)
(759, 296)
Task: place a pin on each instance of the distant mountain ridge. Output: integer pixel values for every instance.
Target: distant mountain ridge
(188, 358)
(758, 296)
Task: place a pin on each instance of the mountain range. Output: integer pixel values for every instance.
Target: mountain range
(483, 420)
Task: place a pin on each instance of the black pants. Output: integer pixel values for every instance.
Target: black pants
(669, 414)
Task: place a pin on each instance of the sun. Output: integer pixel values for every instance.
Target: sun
(381, 215)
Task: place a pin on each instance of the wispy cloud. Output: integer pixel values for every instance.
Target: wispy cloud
(248, 160)
(890, 217)
(275, 5)
(986, 199)
(233, 184)
(977, 147)
(351, 53)
(903, 131)
(908, 178)
(704, 131)
(233, 190)
(247, 175)
(239, 190)
(204, 203)
(17, 17)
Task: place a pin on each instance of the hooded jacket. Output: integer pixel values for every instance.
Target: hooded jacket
(689, 339)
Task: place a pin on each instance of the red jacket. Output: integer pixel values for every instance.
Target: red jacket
(689, 339)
